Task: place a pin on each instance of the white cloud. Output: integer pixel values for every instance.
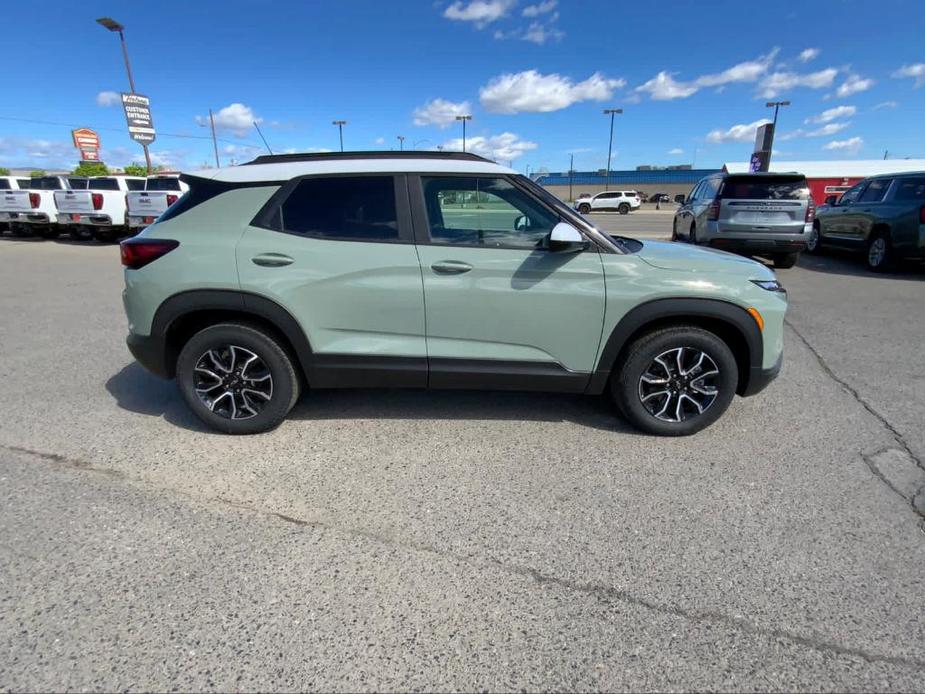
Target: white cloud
(481, 12)
(853, 85)
(235, 118)
(778, 82)
(108, 99)
(531, 91)
(851, 145)
(916, 70)
(886, 104)
(827, 129)
(808, 54)
(833, 114)
(539, 34)
(737, 133)
(676, 151)
(504, 147)
(539, 8)
(440, 112)
(663, 87)
(380, 140)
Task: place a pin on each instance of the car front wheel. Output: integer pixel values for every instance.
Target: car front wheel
(623, 208)
(675, 381)
(237, 379)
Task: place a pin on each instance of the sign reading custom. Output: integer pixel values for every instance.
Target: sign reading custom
(138, 116)
(88, 142)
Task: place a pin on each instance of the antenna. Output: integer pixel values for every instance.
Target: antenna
(263, 138)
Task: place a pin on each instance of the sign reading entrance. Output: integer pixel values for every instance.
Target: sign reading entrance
(138, 116)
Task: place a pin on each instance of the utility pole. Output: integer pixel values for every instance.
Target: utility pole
(776, 105)
(113, 25)
(464, 119)
(214, 141)
(401, 143)
(571, 170)
(340, 129)
(612, 112)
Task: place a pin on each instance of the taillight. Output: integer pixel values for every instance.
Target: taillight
(713, 212)
(171, 199)
(922, 214)
(97, 200)
(138, 252)
(35, 200)
(810, 211)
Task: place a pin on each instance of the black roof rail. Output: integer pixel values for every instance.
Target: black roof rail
(334, 156)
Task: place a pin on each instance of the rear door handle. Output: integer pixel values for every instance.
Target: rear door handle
(450, 267)
(272, 260)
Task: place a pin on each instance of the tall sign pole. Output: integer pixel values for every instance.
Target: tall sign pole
(612, 112)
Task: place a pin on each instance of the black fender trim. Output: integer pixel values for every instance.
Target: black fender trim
(660, 310)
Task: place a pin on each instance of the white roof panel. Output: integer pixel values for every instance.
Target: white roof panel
(846, 168)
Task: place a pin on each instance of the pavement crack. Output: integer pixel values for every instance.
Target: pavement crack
(919, 509)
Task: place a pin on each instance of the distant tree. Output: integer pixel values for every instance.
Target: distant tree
(91, 168)
(135, 169)
(38, 173)
(4, 171)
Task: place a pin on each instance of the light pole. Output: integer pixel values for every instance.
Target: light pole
(776, 105)
(571, 171)
(113, 25)
(464, 119)
(340, 129)
(612, 112)
(401, 143)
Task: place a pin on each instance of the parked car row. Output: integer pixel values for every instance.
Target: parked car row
(773, 214)
(100, 207)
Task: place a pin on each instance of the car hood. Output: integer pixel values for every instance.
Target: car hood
(686, 258)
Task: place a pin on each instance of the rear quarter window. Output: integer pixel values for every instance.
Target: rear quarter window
(765, 188)
(911, 189)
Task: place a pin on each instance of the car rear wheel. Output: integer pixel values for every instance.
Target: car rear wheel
(623, 208)
(103, 235)
(80, 233)
(237, 379)
(584, 209)
(814, 242)
(48, 232)
(785, 260)
(879, 252)
(675, 381)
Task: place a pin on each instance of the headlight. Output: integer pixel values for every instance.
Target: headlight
(770, 285)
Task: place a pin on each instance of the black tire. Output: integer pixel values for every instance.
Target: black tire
(102, 235)
(693, 235)
(784, 261)
(879, 258)
(584, 209)
(674, 230)
(80, 233)
(48, 232)
(21, 230)
(623, 208)
(627, 388)
(284, 384)
(814, 242)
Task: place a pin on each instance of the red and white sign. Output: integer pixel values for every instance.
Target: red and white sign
(86, 140)
(89, 155)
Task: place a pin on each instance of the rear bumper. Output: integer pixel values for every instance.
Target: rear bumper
(759, 378)
(788, 239)
(26, 217)
(150, 352)
(97, 220)
(759, 245)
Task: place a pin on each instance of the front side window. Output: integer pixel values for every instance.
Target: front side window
(353, 208)
(876, 190)
(484, 211)
(851, 195)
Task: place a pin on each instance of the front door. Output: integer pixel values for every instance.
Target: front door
(501, 310)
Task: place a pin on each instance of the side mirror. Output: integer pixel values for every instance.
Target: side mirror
(522, 223)
(564, 238)
(831, 200)
(680, 199)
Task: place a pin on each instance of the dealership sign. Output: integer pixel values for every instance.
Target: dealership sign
(138, 116)
(761, 157)
(88, 142)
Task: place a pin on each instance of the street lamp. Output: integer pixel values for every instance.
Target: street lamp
(776, 105)
(612, 112)
(464, 119)
(340, 129)
(401, 143)
(113, 25)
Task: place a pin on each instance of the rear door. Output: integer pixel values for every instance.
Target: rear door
(763, 203)
(337, 252)
(497, 302)
(835, 224)
(605, 201)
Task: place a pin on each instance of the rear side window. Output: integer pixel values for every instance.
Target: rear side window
(46, 183)
(765, 188)
(134, 184)
(910, 189)
(5, 184)
(103, 184)
(160, 184)
(876, 190)
(355, 208)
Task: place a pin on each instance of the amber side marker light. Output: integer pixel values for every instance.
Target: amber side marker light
(753, 312)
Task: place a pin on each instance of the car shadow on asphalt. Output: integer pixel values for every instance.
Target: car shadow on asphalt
(837, 262)
(136, 390)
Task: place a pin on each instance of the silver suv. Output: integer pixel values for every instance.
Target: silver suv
(768, 214)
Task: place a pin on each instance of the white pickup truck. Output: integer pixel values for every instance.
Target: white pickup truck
(99, 210)
(32, 209)
(161, 191)
(8, 183)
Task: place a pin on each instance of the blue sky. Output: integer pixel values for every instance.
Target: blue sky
(535, 75)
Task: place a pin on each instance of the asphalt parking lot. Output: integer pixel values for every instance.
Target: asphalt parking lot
(388, 540)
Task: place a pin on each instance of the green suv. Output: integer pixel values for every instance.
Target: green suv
(433, 270)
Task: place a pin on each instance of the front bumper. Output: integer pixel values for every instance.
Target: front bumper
(760, 378)
(150, 352)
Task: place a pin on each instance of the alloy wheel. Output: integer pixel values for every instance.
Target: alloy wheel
(877, 252)
(233, 382)
(679, 384)
(813, 240)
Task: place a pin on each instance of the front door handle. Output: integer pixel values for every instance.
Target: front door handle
(450, 267)
(272, 260)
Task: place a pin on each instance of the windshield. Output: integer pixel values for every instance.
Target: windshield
(765, 188)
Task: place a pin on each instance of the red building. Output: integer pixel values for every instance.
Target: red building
(827, 178)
